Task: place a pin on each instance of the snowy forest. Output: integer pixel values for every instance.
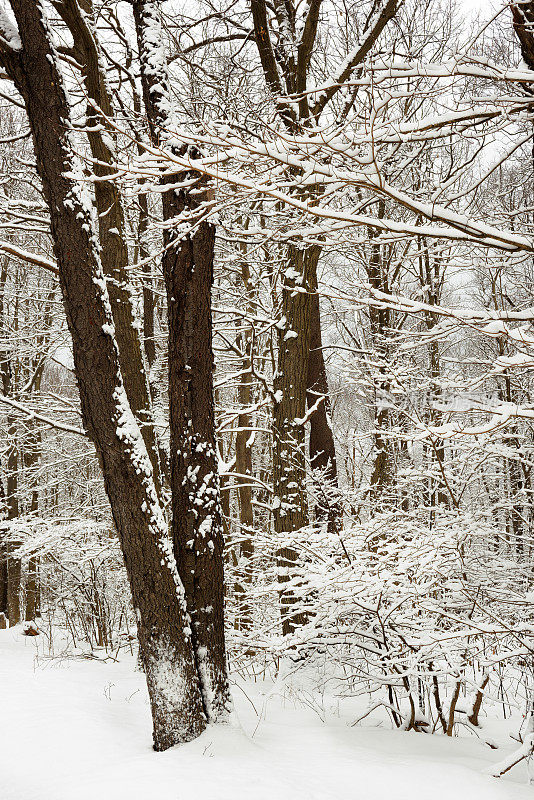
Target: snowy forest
(266, 399)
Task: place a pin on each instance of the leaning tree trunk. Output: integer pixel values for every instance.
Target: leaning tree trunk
(111, 222)
(157, 593)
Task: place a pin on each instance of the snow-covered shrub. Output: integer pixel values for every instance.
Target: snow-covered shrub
(422, 619)
(81, 576)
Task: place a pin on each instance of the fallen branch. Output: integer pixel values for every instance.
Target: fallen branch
(525, 751)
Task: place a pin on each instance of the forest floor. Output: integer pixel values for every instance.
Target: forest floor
(78, 728)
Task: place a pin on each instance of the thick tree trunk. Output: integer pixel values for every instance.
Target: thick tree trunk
(157, 593)
(299, 374)
(113, 246)
(33, 594)
(286, 64)
(523, 22)
(187, 265)
(196, 518)
(301, 379)
(289, 444)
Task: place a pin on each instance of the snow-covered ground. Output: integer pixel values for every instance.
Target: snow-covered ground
(74, 729)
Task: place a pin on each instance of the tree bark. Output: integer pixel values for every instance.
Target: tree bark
(289, 445)
(32, 457)
(3, 582)
(431, 278)
(196, 510)
(187, 265)
(111, 223)
(243, 459)
(321, 442)
(6, 379)
(149, 298)
(14, 566)
(383, 469)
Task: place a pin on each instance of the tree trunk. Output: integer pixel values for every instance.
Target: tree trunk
(14, 565)
(4, 609)
(187, 265)
(383, 469)
(197, 520)
(243, 465)
(431, 278)
(5, 374)
(321, 443)
(149, 298)
(111, 223)
(32, 457)
(157, 593)
(243, 459)
(289, 455)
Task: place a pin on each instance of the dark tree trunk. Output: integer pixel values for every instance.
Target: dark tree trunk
(149, 298)
(3, 562)
(197, 520)
(157, 592)
(14, 566)
(289, 455)
(243, 463)
(32, 457)
(523, 24)
(113, 246)
(5, 374)
(187, 265)
(33, 594)
(321, 443)
(243, 459)
(286, 65)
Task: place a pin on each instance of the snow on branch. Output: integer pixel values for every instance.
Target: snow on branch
(9, 35)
